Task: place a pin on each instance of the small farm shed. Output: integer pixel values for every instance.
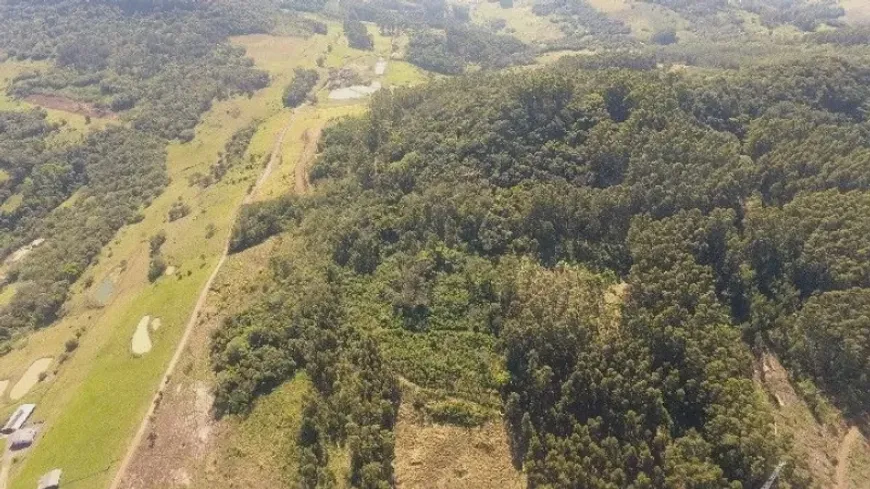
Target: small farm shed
(22, 438)
(18, 418)
(50, 480)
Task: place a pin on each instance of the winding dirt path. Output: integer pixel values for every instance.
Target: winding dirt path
(194, 316)
(842, 478)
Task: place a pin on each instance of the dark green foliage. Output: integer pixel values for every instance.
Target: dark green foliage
(261, 220)
(392, 16)
(296, 93)
(664, 37)
(844, 36)
(156, 267)
(304, 5)
(232, 155)
(465, 236)
(177, 210)
(463, 44)
(804, 14)
(428, 50)
(109, 59)
(358, 36)
(583, 25)
(829, 340)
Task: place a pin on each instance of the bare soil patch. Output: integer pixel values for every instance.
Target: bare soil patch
(142, 337)
(432, 456)
(3, 385)
(826, 447)
(184, 445)
(29, 379)
(69, 105)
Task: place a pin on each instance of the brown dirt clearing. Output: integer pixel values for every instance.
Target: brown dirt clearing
(826, 447)
(69, 105)
(431, 456)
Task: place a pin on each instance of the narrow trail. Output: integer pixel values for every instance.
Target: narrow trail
(842, 477)
(194, 316)
(308, 152)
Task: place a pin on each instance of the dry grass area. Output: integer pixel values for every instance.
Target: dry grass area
(820, 444)
(857, 12)
(185, 445)
(431, 456)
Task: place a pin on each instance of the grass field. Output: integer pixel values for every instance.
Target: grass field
(73, 126)
(520, 21)
(93, 402)
(260, 450)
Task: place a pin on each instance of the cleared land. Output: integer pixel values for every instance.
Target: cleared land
(30, 378)
(103, 366)
(73, 124)
(837, 455)
(432, 456)
(183, 443)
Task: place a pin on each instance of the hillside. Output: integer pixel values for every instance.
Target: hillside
(526, 243)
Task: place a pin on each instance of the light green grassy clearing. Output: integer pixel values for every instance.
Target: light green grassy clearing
(521, 22)
(261, 447)
(404, 74)
(7, 293)
(12, 203)
(307, 119)
(339, 465)
(93, 408)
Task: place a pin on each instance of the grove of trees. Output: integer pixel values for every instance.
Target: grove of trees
(469, 232)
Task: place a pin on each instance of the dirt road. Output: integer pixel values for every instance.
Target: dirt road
(842, 477)
(194, 316)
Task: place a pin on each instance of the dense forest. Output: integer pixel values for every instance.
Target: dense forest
(467, 235)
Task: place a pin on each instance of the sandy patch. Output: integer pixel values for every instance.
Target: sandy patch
(70, 105)
(170, 270)
(3, 385)
(431, 456)
(354, 92)
(29, 379)
(155, 324)
(380, 67)
(141, 338)
(25, 250)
